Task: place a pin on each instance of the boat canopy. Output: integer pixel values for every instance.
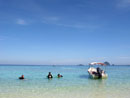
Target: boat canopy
(97, 63)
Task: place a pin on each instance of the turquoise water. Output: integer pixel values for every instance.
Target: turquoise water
(75, 83)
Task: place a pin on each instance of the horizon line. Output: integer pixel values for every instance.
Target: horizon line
(57, 64)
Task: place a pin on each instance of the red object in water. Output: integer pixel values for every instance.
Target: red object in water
(22, 76)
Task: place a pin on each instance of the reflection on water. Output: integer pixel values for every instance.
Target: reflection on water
(84, 76)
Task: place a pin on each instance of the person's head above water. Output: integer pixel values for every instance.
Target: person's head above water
(22, 77)
(50, 75)
(59, 75)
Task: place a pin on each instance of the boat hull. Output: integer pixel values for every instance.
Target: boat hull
(97, 77)
(91, 71)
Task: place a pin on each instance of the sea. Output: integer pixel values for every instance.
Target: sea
(75, 82)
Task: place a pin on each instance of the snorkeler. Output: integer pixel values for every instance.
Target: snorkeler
(49, 75)
(22, 77)
(59, 76)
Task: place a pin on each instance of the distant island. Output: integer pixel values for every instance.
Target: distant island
(107, 63)
(80, 65)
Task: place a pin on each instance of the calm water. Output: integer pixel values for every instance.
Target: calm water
(74, 84)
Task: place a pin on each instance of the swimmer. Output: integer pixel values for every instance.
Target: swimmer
(49, 75)
(22, 77)
(59, 76)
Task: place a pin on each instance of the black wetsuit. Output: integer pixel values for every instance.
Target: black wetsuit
(49, 76)
(99, 72)
(21, 78)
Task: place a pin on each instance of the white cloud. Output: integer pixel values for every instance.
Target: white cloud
(52, 19)
(21, 22)
(3, 37)
(98, 59)
(124, 57)
(123, 3)
(71, 25)
(59, 22)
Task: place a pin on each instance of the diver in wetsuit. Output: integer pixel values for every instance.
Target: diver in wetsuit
(49, 75)
(99, 72)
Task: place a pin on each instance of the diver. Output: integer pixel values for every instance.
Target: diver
(59, 76)
(22, 77)
(99, 72)
(49, 75)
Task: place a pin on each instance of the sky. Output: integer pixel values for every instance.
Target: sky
(64, 32)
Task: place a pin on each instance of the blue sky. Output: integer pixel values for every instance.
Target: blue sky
(64, 31)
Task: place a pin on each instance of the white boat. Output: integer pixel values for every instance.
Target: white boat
(97, 73)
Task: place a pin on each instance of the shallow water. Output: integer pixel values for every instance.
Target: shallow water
(75, 83)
